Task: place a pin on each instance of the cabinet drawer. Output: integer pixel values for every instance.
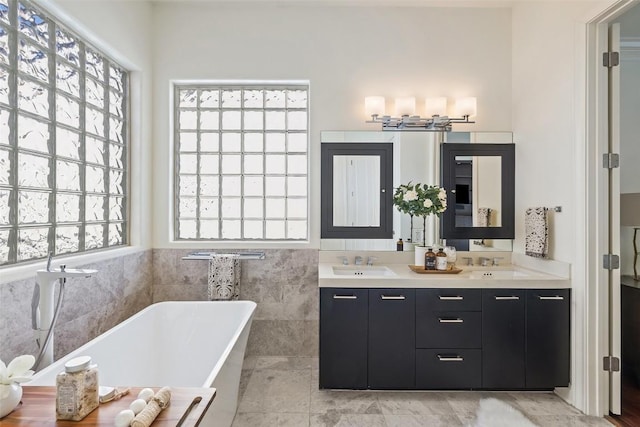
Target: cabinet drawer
(449, 329)
(448, 300)
(448, 369)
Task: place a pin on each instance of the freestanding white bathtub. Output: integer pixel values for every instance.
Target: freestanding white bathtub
(179, 344)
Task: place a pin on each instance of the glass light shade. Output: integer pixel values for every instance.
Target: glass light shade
(466, 107)
(435, 106)
(405, 106)
(374, 105)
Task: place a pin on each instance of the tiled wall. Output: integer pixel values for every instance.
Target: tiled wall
(285, 286)
(122, 287)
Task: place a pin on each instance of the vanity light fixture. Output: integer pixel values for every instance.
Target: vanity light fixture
(405, 119)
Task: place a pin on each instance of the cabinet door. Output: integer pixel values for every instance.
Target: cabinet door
(548, 338)
(392, 340)
(343, 338)
(503, 338)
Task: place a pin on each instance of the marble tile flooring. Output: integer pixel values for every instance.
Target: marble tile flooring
(283, 392)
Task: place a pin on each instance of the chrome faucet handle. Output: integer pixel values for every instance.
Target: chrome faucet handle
(370, 260)
(344, 259)
(469, 260)
(496, 261)
(358, 260)
(483, 261)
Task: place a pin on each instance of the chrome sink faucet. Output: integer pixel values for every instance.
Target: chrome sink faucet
(358, 260)
(496, 261)
(344, 259)
(370, 260)
(483, 261)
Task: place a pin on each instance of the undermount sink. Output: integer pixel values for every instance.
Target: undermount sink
(498, 274)
(362, 270)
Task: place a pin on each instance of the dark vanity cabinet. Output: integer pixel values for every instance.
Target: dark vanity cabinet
(503, 337)
(392, 338)
(547, 342)
(525, 338)
(444, 339)
(343, 338)
(448, 339)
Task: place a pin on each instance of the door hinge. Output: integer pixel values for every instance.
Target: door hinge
(610, 160)
(610, 262)
(611, 364)
(610, 59)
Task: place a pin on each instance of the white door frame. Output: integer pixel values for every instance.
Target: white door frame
(596, 380)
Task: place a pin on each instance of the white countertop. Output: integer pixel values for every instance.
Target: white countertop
(401, 276)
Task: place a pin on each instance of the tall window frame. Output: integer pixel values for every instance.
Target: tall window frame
(64, 123)
(241, 161)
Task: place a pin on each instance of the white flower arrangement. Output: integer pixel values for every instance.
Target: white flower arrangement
(18, 371)
(420, 200)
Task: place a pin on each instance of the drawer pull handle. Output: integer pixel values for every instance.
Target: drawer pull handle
(345, 297)
(394, 297)
(555, 297)
(513, 297)
(450, 358)
(453, 298)
(450, 320)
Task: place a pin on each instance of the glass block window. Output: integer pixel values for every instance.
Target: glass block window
(63, 139)
(241, 160)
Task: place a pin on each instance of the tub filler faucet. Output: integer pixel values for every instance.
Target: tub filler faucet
(43, 312)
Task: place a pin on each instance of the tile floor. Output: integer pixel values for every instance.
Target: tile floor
(283, 392)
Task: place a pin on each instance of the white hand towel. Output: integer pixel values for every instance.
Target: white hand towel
(224, 277)
(536, 226)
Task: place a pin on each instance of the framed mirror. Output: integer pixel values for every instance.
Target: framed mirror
(479, 179)
(357, 191)
(416, 159)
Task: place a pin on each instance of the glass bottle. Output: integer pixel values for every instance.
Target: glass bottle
(430, 260)
(441, 260)
(77, 389)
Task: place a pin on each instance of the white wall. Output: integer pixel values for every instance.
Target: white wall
(123, 30)
(549, 104)
(345, 52)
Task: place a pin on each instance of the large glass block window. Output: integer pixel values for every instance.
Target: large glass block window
(241, 160)
(63, 139)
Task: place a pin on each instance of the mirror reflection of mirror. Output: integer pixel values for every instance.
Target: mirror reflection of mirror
(356, 197)
(477, 201)
(416, 158)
